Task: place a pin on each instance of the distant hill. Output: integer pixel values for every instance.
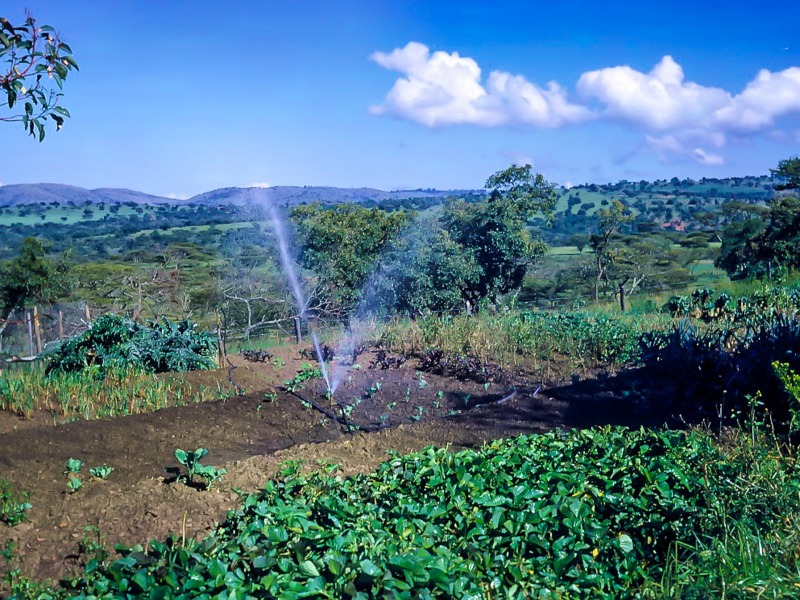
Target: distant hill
(46, 193)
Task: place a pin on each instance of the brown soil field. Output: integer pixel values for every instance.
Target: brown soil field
(252, 434)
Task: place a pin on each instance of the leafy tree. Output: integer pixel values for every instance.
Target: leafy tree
(34, 63)
(425, 271)
(779, 243)
(609, 221)
(788, 170)
(646, 261)
(33, 276)
(494, 232)
(754, 246)
(342, 245)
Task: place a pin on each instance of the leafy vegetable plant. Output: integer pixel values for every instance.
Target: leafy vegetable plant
(191, 460)
(101, 471)
(13, 504)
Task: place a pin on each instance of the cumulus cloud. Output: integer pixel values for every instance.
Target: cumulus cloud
(258, 184)
(679, 118)
(174, 196)
(447, 89)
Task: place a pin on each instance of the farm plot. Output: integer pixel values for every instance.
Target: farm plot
(249, 435)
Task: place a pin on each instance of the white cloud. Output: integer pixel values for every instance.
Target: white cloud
(446, 89)
(258, 184)
(659, 100)
(679, 118)
(175, 196)
(767, 98)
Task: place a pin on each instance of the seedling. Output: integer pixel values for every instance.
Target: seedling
(270, 397)
(74, 465)
(13, 505)
(191, 460)
(75, 482)
(306, 372)
(422, 383)
(101, 472)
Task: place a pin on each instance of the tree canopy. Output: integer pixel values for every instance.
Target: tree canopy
(756, 245)
(789, 171)
(33, 276)
(342, 245)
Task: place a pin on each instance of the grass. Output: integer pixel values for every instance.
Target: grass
(525, 337)
(73, 396)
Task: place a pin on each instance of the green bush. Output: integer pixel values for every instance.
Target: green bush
(116, 342)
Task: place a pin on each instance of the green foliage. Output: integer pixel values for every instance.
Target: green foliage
(725, 366)
(191, 460)
(746, 310)
(33, 276)
(592, 513)
(789, 171)
(424, 271)
(33, 58)
(753, 247)
(494, 232)
(92, 395)
(74, 480)
(791, 384)
(14, 505)
(343, 244)
(101, 471)
(74, 465)
(116, 342)
(587, 338)
(305, 373)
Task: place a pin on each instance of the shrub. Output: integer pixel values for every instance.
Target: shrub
(117, 342)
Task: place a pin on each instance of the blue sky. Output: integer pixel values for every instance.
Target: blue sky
(183, 97)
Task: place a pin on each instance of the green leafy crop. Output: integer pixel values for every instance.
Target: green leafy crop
(191, 460)
(116, 342)
(593, 513)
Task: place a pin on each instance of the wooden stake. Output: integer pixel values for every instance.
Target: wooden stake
(220, 342)
(87, 314)
(30, 332)
(60, 325)
(37, 329)
(298, 337)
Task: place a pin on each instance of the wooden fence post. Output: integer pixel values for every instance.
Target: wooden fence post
(60, 325)
(87, 314)
(30, 332)
(37, 330)
(220, 342)
(298, 337)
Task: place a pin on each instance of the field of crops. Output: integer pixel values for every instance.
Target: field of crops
(573, 507)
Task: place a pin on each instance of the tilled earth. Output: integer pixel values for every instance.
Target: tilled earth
(250, 435)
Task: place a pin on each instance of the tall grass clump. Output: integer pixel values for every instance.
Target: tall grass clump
(586, 338)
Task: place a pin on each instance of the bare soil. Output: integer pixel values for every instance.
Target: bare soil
(250, 435)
